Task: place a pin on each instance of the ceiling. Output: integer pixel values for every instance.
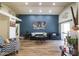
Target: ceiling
(35, 8)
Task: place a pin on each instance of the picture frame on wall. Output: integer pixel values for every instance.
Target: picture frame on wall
(39, 25)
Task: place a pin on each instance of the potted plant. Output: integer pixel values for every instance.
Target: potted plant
(26, 35)
(73, 42)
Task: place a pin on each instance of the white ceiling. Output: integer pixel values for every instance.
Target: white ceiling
(21, 8)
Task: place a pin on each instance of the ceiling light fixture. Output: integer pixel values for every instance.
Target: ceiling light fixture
(53, 4)
(40, 4)
(26, 3)
(50, 11)
(30, 10)
(40, 11)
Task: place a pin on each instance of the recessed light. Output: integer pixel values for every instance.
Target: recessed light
(40, 4)
(53, 4)
(40, 11)
(50, 11)
(30, 10)
(26, 3)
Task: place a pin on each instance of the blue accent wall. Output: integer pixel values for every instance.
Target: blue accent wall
(27, 21)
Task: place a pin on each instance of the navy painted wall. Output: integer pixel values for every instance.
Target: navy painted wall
(27, 21)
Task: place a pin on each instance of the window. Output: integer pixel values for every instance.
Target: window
(65, 28)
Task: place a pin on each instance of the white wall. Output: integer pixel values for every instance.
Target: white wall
(4, 26)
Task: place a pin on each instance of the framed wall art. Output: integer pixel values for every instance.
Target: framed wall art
(39, 25)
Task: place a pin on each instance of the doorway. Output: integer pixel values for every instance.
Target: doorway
(65, 28)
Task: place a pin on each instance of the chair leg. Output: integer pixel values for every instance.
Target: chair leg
(17, 51)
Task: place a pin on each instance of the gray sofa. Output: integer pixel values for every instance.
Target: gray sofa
(11, 47)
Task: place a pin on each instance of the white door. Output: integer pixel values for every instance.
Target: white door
(65, 28)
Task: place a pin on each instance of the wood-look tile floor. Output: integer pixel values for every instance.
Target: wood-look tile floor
(36, 48)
